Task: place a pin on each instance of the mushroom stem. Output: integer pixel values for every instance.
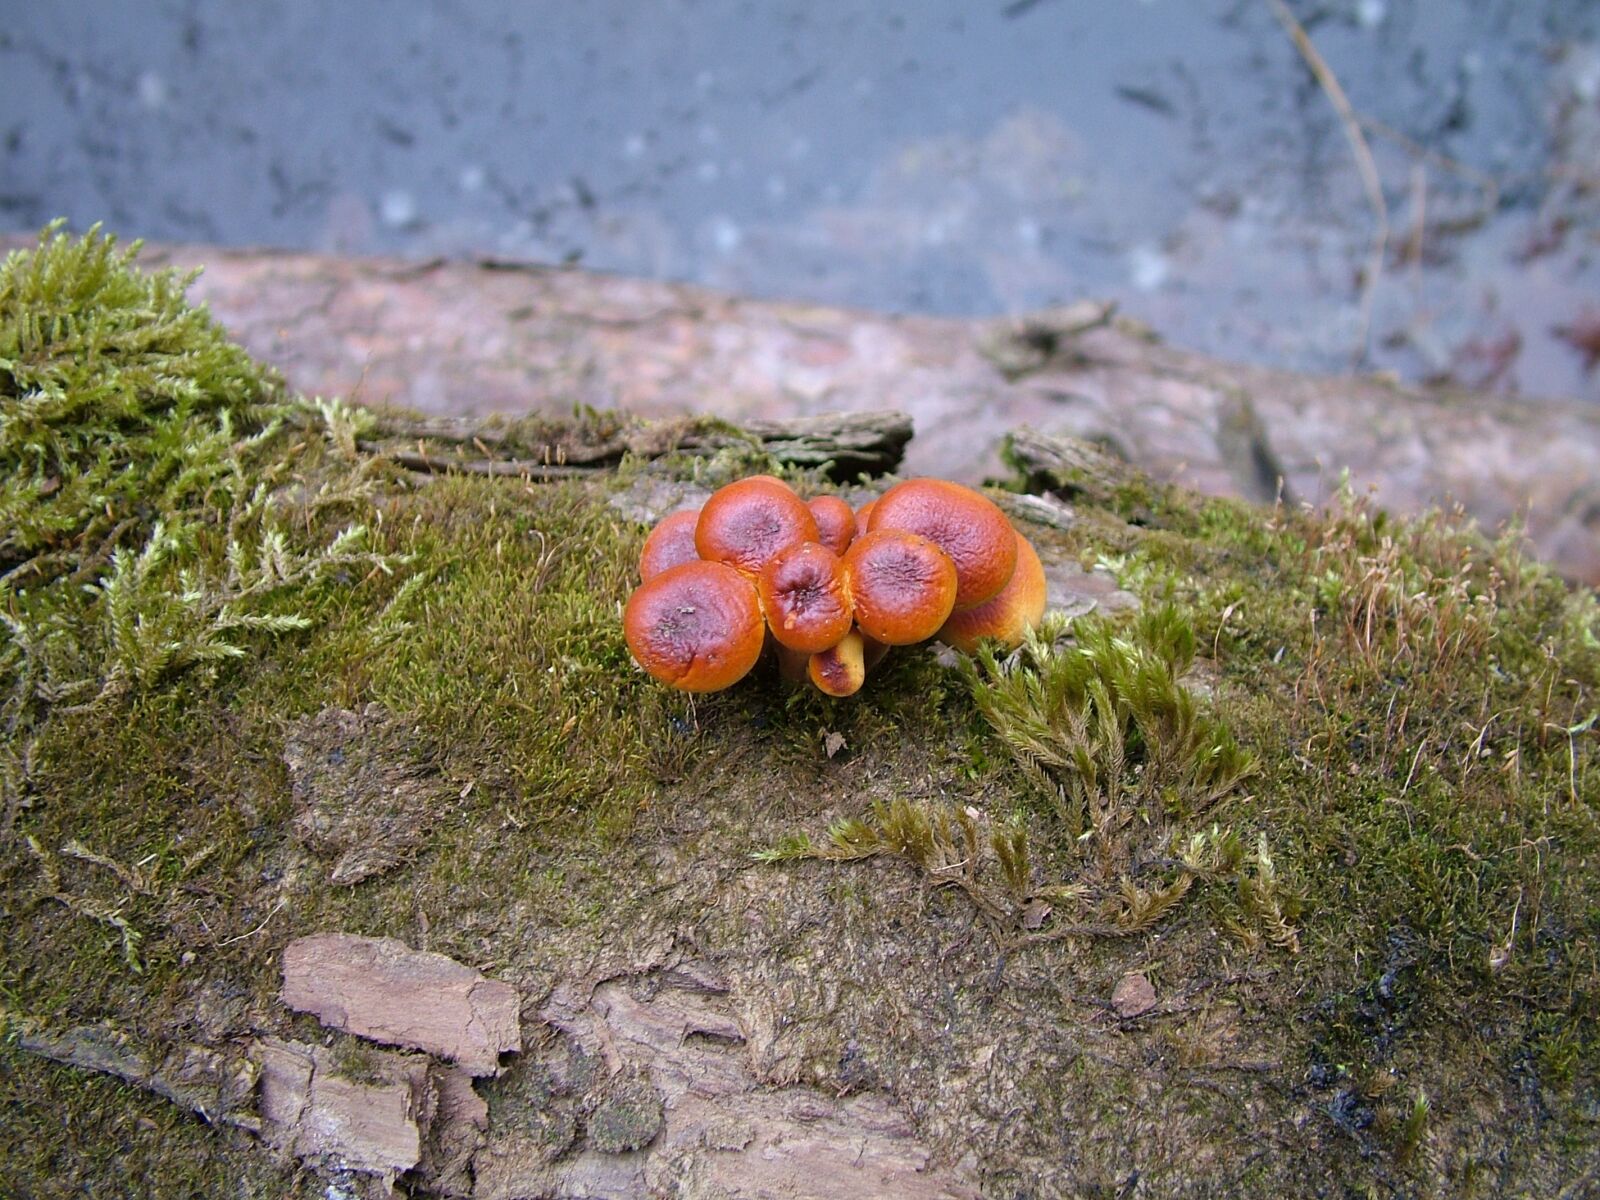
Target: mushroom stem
(842, 669)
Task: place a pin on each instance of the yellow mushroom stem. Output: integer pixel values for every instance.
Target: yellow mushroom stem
(841, 670)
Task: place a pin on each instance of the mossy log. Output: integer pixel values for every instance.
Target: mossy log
(1268, 868)
(478, 338)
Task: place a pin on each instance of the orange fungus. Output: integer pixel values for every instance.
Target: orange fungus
(968, 527)
(670, 544)
(1007, 617)
(696, 626)
(806, 597)
(903, 585)
(746, 523)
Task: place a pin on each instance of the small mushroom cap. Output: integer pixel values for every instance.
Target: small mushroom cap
(903, 585)
(806, 594)
(840, 670)
(968, 527)
(1007, 617)
(670, 544)
(696, 626)
(836, 523)
(864, 518)
(746, 523)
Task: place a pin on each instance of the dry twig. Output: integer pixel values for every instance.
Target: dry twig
(1364, 163)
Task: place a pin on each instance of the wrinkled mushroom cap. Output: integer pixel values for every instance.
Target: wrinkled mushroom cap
(840, 670)
(746, 523)
(1007, 617)
(968, 527)
(806, 596)
(836, 523)
(696, 626)
(903, 585)
(670, 544)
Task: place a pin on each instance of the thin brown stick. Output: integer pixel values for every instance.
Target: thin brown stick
(1488, 186)
(1419, 218)
(1364, 163)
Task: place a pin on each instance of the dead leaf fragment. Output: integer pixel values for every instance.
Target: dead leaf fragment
(1035, 914)
(1134, 996)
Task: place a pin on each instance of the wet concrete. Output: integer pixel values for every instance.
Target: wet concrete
(946, 156)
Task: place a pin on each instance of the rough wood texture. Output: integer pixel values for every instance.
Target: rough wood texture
(694, 1118)
(471, 339)
(1045, 459)
(310, 1110)
(382, 989)
(848, 444)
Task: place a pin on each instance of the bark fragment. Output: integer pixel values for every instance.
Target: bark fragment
(719, 1133)
(310, 1110)
(380, 988)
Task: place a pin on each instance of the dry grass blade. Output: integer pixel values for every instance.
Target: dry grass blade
(1329, 83)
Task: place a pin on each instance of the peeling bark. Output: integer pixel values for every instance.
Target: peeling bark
(466, 339)
(205, 1081)
(381, 989)
(846, 444)
(723, 1134)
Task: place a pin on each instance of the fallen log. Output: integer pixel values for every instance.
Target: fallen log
(465, 339)
(997, 926)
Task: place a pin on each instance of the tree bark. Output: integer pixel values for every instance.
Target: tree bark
(467, 339)
(846, 444)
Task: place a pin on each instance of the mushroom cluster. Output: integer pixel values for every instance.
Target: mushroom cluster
(832, 589)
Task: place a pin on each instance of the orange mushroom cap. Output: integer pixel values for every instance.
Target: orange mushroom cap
(670, 544)
(864, 518)
(1007, 617)
(968, 527)
(746, 523)
(903, 585)
(805, 591)
(696, 626)
(836, 523)
(840, 670)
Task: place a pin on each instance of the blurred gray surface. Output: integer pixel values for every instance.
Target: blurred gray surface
(943, 156)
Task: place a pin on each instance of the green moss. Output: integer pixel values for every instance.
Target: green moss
(71, 1133)
(160, 500)
(1412, 690)
(103, 369)
(515, 645)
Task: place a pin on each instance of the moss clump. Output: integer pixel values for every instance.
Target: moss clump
(1105, 725)
(120, 402)
(1126, 763)
(148, 476)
